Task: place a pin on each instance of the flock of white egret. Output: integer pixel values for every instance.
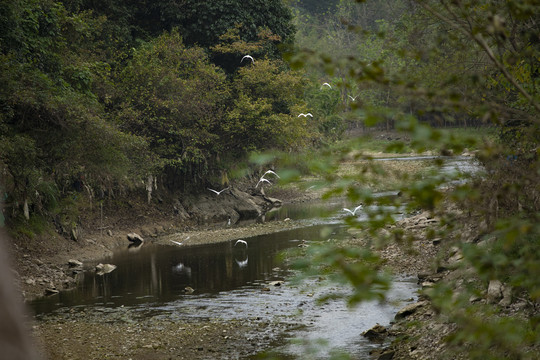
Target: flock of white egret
(262, 179)
(353, 98)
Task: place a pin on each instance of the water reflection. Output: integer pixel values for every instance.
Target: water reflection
(160, 274)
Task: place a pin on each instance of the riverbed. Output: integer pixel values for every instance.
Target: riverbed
(229, 282)
(215, 299)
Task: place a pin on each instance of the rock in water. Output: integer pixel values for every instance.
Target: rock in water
(102, 269)
(135, 238)
(410, 309)
(75, 263)
(376, 333)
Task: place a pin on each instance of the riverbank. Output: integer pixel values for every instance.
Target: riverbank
(91, 336)
(122, 334)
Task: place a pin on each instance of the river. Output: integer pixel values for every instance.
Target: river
(237, 282)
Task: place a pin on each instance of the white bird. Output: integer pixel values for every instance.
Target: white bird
(353, 98)
(271, 172)
(248, 57)
(241, 242)
(262, 180)
(326, 84)
(217, 192)
(180, 243)
(305, 115)
(353, 212)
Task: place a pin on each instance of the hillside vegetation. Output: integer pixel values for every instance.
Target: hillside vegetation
(107, 101)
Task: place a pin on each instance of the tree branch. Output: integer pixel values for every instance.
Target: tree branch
(479, 39)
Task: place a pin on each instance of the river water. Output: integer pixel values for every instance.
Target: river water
(237, 282)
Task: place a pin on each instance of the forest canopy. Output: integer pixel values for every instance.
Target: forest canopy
(115, 91)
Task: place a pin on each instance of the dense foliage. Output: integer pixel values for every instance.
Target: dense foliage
(97, 96)
(438, 62)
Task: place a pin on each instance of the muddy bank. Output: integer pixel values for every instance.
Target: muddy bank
(90, 336)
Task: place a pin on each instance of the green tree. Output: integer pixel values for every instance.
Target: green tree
(267, 98)
(204, 22)
(52, 129)
(173, 97)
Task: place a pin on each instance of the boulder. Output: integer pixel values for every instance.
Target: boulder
(51, 291)
(386, 355)
(507, 296)
(499, 293)
(102, 269)
(495, 291)
(75, 263)
(410, 309)
(135, 238)
(376, 333)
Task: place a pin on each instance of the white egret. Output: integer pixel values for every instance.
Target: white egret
(248, 57)
(305, 115)
(353, 212)
(353, 98)
(326, 84)
(271, 172)
(180, 243)
(217, 192)
(262, 180)
(240, 242)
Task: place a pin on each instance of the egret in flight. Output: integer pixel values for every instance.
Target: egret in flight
(353, 98)
(240, 242)
(305, 115)
(326, 84)
(248, 57)
(217, 192)
(263, 180)
(180, 243)
(353, 212)
(271, 172)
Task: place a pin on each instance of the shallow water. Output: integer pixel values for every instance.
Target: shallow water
(229, 282)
